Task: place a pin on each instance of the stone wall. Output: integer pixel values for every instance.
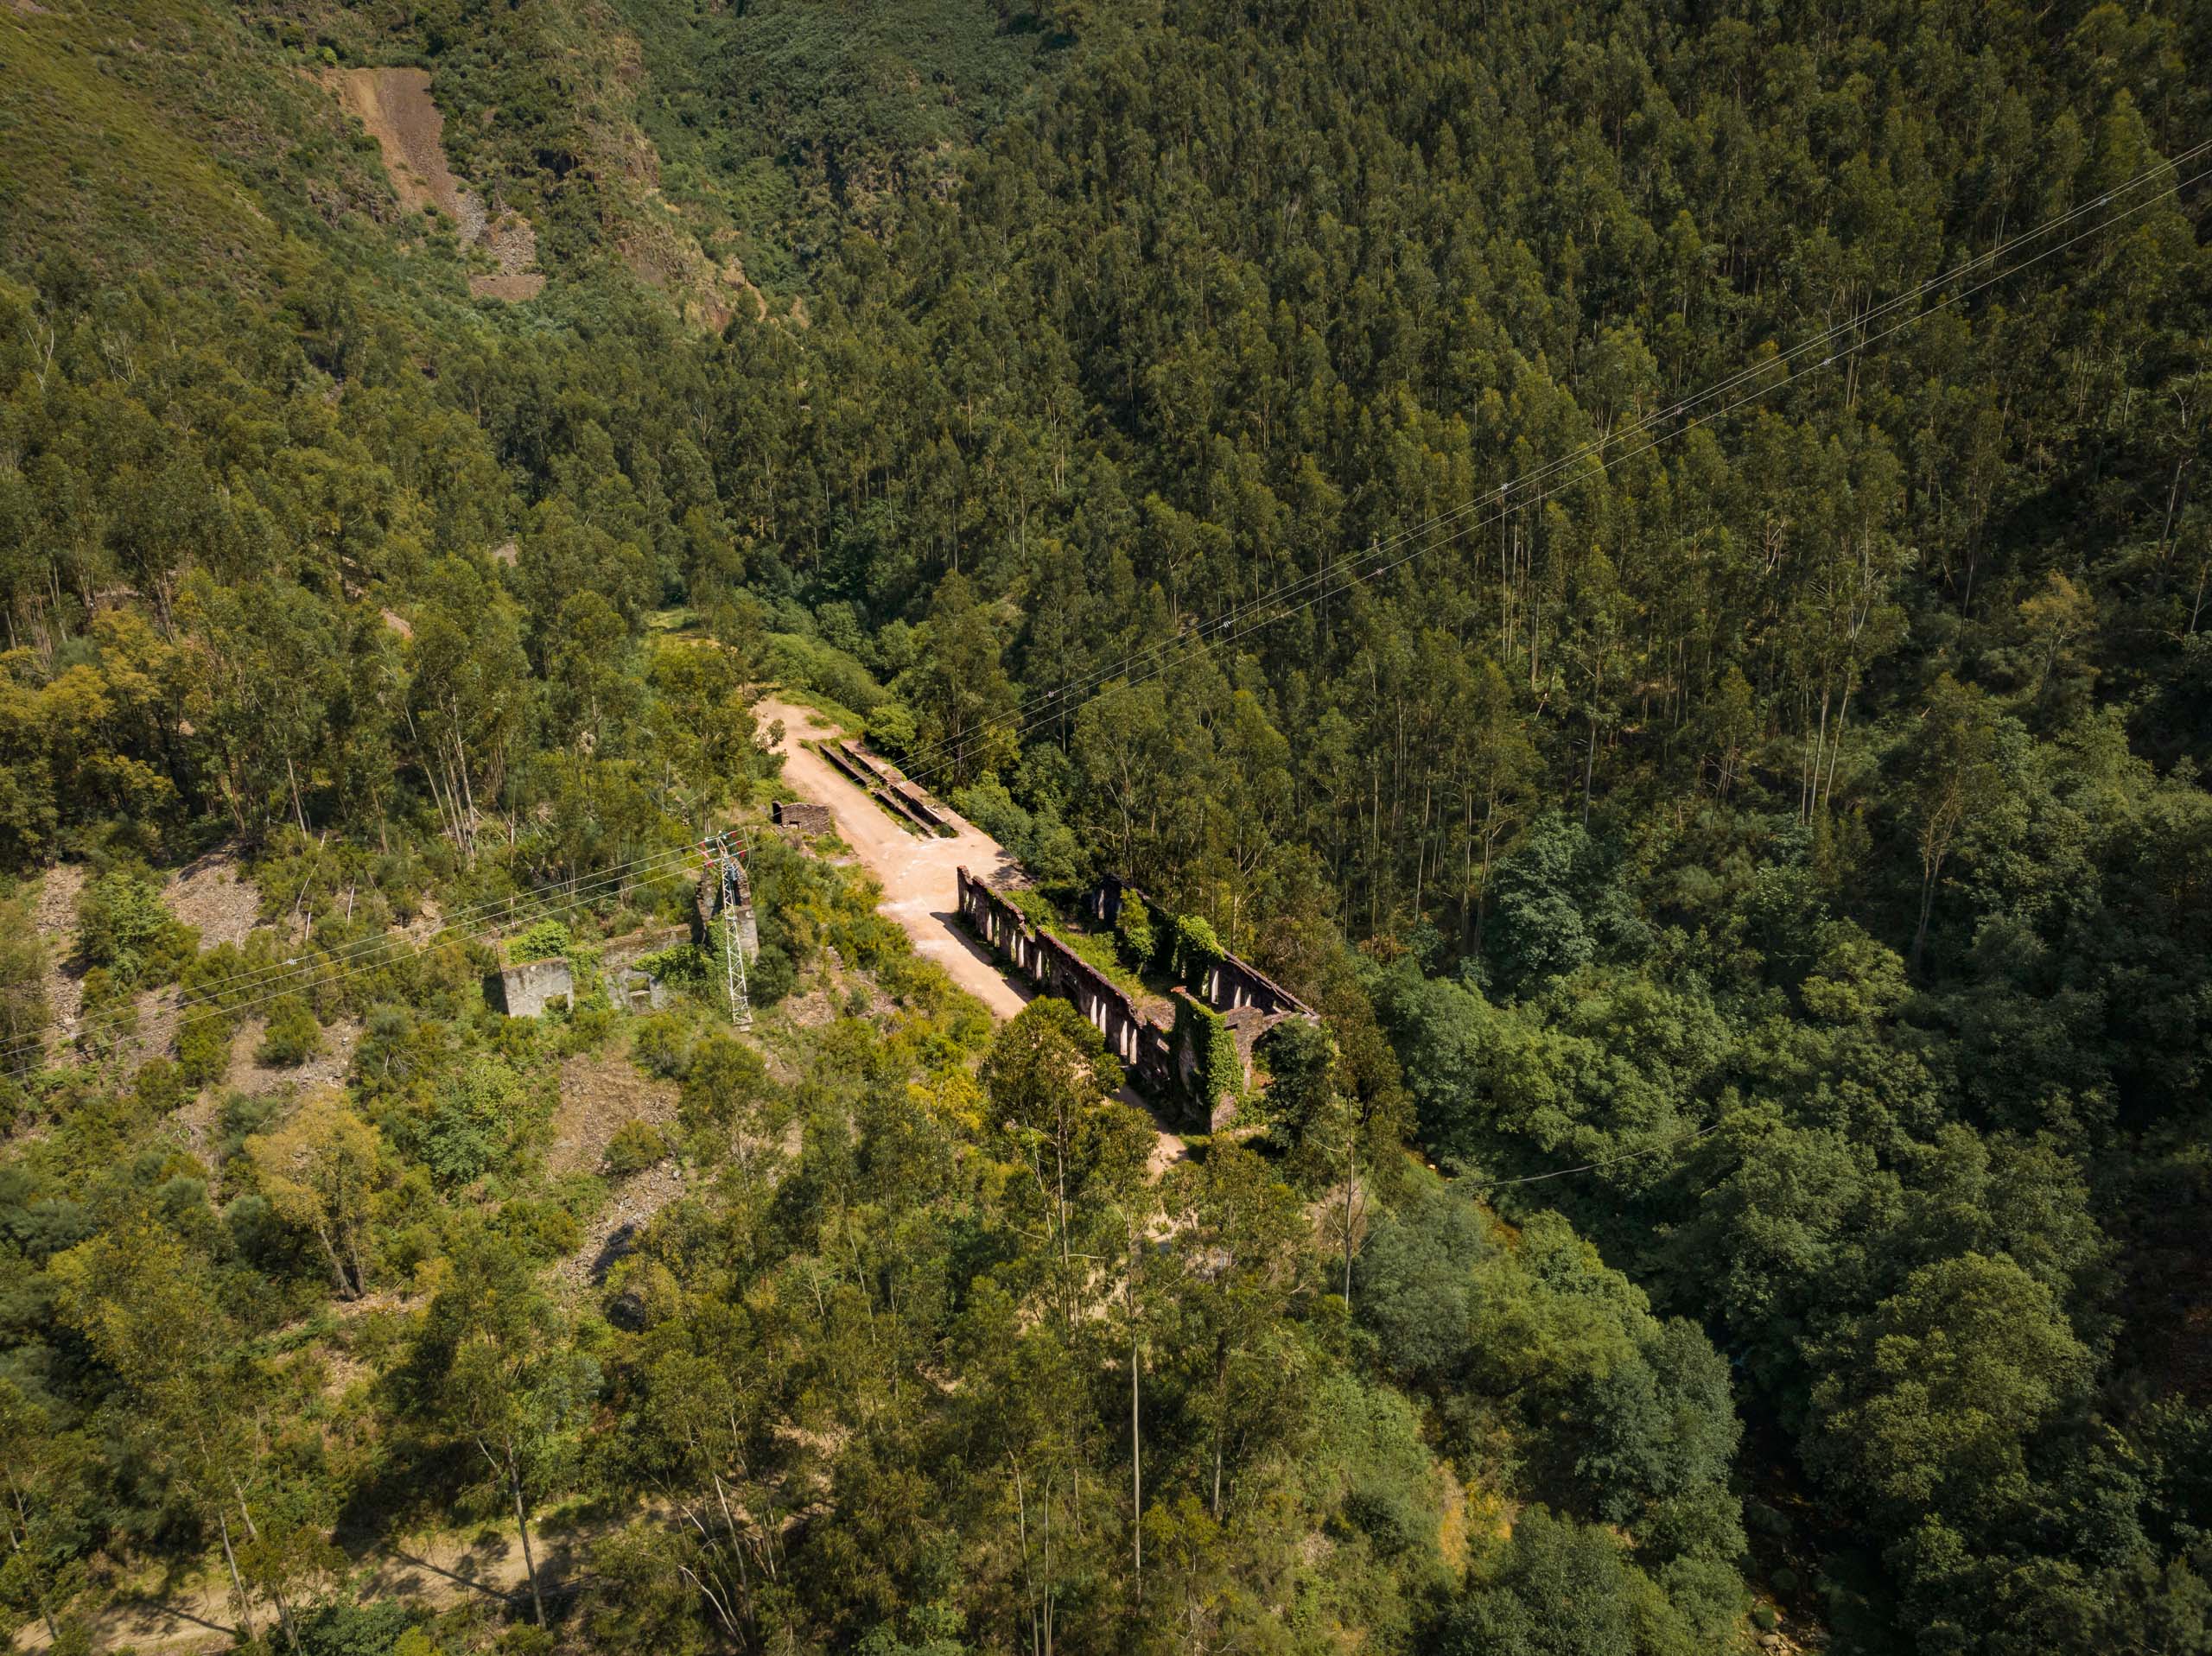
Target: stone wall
(802, 817)
(1251, 1003)
(886, 781)
(1229, 983)
(526, 990)
(631, 947)
(1056, 969)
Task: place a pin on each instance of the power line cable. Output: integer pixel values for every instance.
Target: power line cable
(1049, 700)
(489, 912)
(321, 974)
(1242, 620)
(1228, 632)
(1590, 1167)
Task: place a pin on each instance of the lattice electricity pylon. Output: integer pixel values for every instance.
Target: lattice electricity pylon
(724, 858)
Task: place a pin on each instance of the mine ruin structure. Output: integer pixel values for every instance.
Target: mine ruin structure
(887, 786)
(1179, 1047)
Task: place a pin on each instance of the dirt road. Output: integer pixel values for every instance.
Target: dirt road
(919, 890)
(916, 872)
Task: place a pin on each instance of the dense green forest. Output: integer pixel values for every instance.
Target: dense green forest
(1751, 1184)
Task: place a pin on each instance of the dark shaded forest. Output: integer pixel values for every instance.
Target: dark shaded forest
(1749, 1186)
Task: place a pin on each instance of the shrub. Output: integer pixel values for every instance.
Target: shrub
(122, 926)
(1132, 927)
(340, 1629)
(545, 938)
(23, 1011)
(891, 730)
(203, 1047)
(466, 1131)
(636, 1146)
(293, 1037)
(1216, 1073)
(662, 1047)
(1197, 950)
(771, 975)
(544, 1230)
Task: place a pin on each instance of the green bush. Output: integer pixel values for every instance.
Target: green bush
(636, 1146)
(891, 730)
(340, 1629)
(1197, 949)
(662, 1047)
(537, 942)
(1133, 928)
(465, 1132)
(203, 1047)
(544, 1230)
(123, 928)
(1216, 1073)
(684, 965)
(24, 1013)
(293, 1036)
(810, 664)
(771, 975)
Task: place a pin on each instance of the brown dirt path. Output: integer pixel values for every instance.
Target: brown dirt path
(916, 872)
(54, 917)
(918, 876)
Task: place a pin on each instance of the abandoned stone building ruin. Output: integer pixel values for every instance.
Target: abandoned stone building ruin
(802, 818)
(885, 783)
(1160, 1047)
(526, 990)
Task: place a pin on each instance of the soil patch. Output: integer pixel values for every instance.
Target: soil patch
(256, 1079)
(159, 1013)
(55, 916)
(195, 1121)
(614, 1228)
(513, 243)
(397, 108)
(208, 894)
(597, 1095)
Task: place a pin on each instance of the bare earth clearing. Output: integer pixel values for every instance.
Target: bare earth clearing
(207, 893)
(916, 870)
(395, 107)
(55, 916)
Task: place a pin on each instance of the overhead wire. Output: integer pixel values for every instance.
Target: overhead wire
(1248, 622)
(1055, 701)
(325, 970)
(1591, 1167)
(492, 912)
(1244, 619)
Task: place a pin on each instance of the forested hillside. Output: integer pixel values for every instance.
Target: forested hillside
(1753, 860)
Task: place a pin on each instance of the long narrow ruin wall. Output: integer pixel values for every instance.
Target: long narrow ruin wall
(1229, 984)
(879, 777)
(1056, 969)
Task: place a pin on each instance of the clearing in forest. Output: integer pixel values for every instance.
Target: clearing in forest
(397, 108)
